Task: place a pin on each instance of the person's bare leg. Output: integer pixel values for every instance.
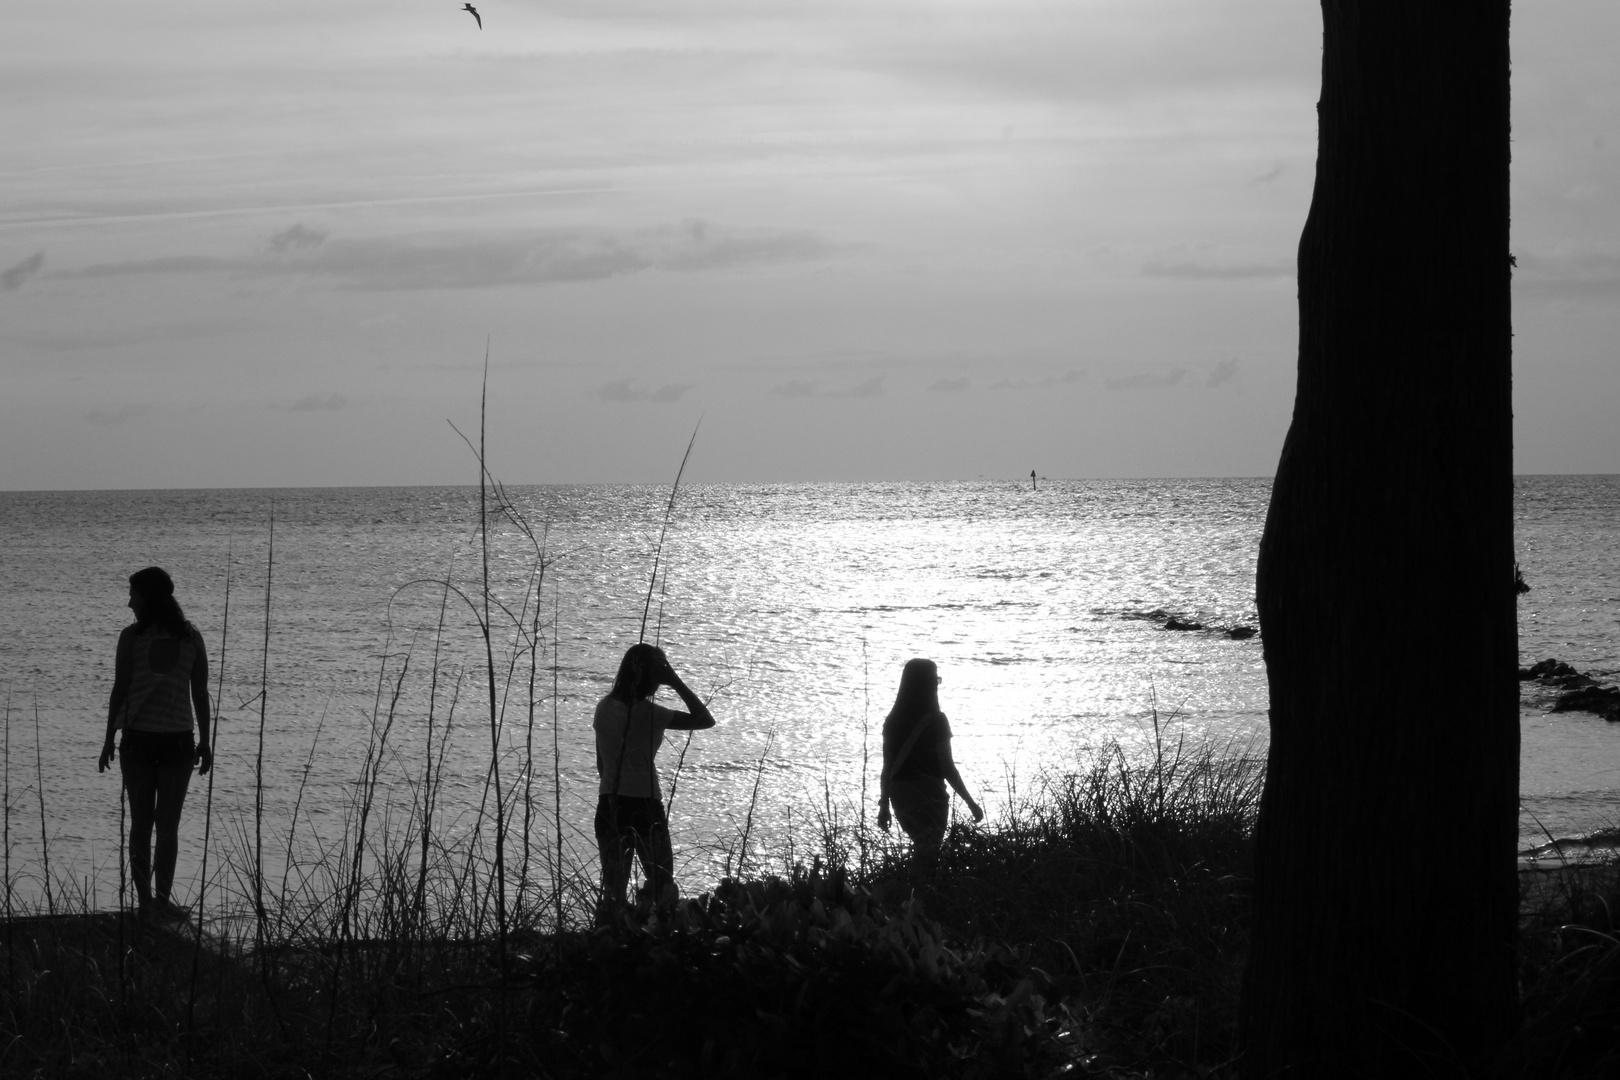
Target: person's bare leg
(658, 863)
(615, 858)
(140, 784)
(172, 781)
(615, 878)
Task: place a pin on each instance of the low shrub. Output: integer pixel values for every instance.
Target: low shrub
(807, 975)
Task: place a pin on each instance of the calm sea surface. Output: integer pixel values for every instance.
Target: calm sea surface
(792, 606)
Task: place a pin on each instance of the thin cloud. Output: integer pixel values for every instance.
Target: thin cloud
(1147, 380)
(872, 387)
(796, 388)
(1223, 372)
(481, 260)
(109, 417)
(1207, 272)
(1047, 382)
(950, 386)
(12, 278)
(297, 238)
(316, 403)
(1582, 275)
(1271, 174)
(623, 391)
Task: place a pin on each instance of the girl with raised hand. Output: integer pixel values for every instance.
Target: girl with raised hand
(630, 821)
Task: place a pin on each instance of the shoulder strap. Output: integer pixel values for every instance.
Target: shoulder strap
(905, 749)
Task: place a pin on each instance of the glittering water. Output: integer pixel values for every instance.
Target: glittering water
(794, 606)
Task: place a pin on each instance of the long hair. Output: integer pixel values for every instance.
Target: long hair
(158, 606)
(638, 674)
(918, 696)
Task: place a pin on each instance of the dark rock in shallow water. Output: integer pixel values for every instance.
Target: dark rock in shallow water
(1174, 623)
(1548, 669)
(1241, 633)
(1603, 700)
(1556, 673)
(1565, 845)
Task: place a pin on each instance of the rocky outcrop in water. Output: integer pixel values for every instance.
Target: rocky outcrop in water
(1603, 700)
(1578, 691)
(1168, 620)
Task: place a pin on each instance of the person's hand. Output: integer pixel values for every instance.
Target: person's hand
(205, 759)
(883, 817)
(978, 812)
(106, 756)
(666, 674)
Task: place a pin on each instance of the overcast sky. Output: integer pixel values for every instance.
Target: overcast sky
(256, 243)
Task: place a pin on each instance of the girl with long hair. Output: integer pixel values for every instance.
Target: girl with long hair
(160, 679)
(917, 762)
(630, 821)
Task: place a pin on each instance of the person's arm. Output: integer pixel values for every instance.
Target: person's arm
(947, 765)
(954, 778)
(200, 704)
(123, 666)
(883, 790)
(697, 717)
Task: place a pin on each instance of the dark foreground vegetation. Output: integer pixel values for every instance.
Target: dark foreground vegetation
(1097, 929)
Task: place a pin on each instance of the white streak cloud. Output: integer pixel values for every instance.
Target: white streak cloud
(484, 259)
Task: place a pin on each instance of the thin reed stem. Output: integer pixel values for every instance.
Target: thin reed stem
(866, 713)
(556, 766)
(427, 794)
(489, 658)
(123, 878)
(753, 801)
(39, 789)
(658, 552)
(298, 803)
(208, 802)
(7, 838)
(261, 916)
(11, 952)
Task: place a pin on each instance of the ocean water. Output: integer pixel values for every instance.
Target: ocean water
(791, 607)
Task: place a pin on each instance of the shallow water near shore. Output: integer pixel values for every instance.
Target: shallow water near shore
(791, 606)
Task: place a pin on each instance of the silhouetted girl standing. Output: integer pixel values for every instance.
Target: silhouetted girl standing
(917, 761)
(160, 678)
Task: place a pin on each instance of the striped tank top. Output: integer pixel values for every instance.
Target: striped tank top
(160, 683)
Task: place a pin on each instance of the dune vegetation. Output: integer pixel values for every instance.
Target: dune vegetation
(1097, 925)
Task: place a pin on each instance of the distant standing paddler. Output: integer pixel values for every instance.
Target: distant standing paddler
(160, 678)
(630, 821)
(1032, 480)
(917, 762)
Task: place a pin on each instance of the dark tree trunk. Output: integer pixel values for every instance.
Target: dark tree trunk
(1385, 886)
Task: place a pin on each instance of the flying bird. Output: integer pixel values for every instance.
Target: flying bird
(474, 13)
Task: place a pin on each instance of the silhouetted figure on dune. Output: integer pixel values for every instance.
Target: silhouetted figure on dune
(917, 762)
(630, 821)
(160, 678)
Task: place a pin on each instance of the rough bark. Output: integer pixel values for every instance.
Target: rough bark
(1385, 884)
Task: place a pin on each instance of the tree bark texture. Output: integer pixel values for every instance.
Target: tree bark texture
(1385, 879)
